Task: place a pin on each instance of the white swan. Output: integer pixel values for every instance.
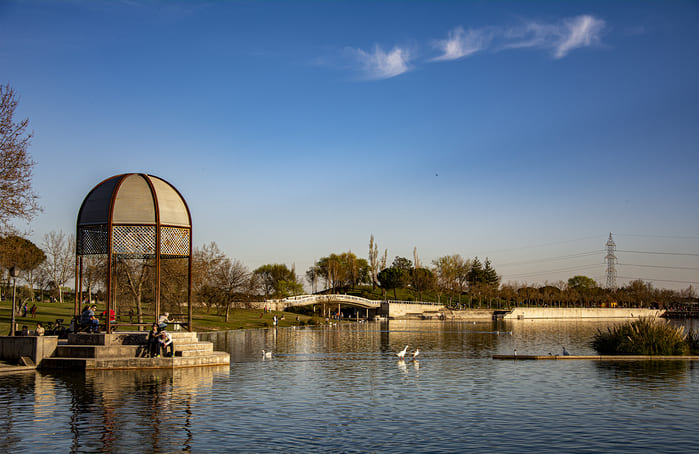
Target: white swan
(401, 354)
(415, 353)
(266, 354)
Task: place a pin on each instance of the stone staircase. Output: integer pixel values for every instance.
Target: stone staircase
(128, 350)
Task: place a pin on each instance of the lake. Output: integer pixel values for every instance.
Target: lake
(342, 389)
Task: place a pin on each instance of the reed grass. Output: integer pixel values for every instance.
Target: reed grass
(645, 336)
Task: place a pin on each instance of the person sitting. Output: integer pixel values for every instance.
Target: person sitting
(154, 341)
(39, 330)
(166, 343)
(163, 321)
(85, 317)
(25, 331)
(112, 315)
(94, 325)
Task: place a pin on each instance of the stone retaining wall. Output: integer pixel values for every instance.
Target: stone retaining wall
(35, 347)
(527, 313)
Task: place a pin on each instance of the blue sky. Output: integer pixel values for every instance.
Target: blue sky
(522, 131)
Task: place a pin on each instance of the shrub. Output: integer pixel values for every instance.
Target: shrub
(645, 336)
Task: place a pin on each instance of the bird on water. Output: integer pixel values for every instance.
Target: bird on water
(565, 352)
(415, 353)
(401, 354)
(266, 354)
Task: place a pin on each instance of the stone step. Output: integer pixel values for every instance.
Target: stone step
(96, 351)
(211, 359)
(199, 346)
(183, 335)
(192, 353)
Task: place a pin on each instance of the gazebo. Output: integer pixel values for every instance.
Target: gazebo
(133, 216)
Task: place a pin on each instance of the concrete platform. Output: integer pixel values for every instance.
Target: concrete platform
(127, 350)
(9, 368)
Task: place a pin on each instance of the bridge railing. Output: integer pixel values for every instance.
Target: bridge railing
(327, 298)
(347, 298)
(423, 303)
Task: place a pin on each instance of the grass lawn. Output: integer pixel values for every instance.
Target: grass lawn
(202, 320)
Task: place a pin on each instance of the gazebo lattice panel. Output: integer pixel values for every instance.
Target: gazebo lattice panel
(174, 241)
(93, 240)
(133, 240)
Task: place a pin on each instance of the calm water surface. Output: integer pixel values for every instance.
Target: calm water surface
(342, 389)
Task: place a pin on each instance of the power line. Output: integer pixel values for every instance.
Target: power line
(558, 270)
(541, 245)
(672, 237)
(659, 280)
(661, 266)
(690, 254)
(549, 259)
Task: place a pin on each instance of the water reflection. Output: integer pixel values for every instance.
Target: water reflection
(665, 374)
(105, 411)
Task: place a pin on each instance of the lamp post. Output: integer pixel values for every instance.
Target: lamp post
(13, 274)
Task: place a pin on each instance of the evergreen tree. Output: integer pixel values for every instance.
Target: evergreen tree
(489, 274)
(476, 274)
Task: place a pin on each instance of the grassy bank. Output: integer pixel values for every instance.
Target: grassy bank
(201, 320)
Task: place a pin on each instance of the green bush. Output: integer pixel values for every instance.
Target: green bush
(645, 336)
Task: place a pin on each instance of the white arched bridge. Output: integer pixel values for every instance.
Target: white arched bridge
(304, 300)
(377, 307)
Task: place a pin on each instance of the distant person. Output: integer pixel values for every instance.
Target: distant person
(24, 310)
(39, 330)
(33, 310)
(166, 343)
(163, 320)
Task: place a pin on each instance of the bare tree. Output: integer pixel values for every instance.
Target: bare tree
(205, 260)
(17, 199)
(94, 272)
(137, 274)
(445, 270)
(60, 259)
(231, 277)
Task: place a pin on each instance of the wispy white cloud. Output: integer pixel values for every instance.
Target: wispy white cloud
(380, 64)
(561, 37)
(581, 31)
(460, 44)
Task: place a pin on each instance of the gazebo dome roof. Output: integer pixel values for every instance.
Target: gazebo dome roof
(134, 199)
